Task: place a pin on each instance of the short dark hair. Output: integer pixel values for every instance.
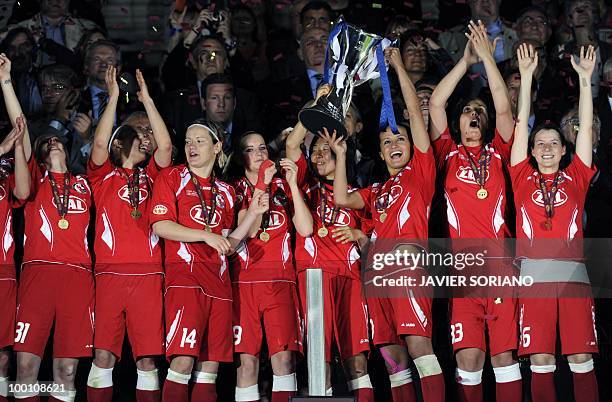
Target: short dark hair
(533, 8)
(316, 5)
(98, 44)
(61, 73)
(215, 79)
(12, 34)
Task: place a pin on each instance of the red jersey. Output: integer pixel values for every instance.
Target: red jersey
(468, 216)
(573, 184)
(405, 198)
(265, 261)
(325, 252)
(194, 265)
(124, 245)
(43, 240)
(7, 242)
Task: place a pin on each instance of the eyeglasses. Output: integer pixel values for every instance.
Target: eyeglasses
(574, 123)
(57, 89)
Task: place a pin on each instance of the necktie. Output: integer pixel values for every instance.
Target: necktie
(102, 103)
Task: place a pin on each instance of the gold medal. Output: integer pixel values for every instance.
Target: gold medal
(322, 232)
(208, 229)
(136, 214)
(383, 217)
(63, 224)
(264, 236)
(482, 194)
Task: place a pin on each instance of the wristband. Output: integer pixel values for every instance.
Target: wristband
(262, 173)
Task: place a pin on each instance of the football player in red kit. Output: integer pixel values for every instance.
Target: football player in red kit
(56, 285)
(263, 274)
(400, 209)
(332, 246)
(14, 186)
(550, 204)
(128, 255)
(475, 190)
(194, 212)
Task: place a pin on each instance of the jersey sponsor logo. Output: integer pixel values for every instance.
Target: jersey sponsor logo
(343, 218)
(277, 220)
(466, 175)
(75, 205)
(124, 194)
(2, 193)
(80, 188)
(395, 194)
(160, 210)
(196, 214)
(560, 198)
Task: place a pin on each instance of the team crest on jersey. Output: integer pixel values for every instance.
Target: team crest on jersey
(560, 197)
(79, 188)
(196, 214)
(2, 193)
(124, 194)
(466, 175)
(75, 205)
(279, 198)
(395, 193)
(160, 210)
(342, 218)
(277, 220)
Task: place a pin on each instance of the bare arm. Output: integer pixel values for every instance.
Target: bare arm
(528, 61)
(501, 99)
(175, 231)
(420, 138)
(584, 139)
(163, 153)
(99, 149)
(22, 173)
(302, 218)
(342, 197)
(259, 205)
(12, 103)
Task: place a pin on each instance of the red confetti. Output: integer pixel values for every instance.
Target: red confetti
(148, 43)
(154, 18)
(124, 10)
(408, 4)
(474, 76)
(277, 57)
(119, 26)
(140, 56)
(296, 98)
(283, 104)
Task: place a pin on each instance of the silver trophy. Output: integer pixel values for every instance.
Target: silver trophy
(351, 54)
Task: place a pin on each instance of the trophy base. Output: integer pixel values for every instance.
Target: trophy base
(315, 120)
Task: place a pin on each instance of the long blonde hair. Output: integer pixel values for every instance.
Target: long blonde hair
(217, 134)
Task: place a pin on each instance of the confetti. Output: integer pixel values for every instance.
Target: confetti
(377, 5)
(140, 56)
(124, 10)
(277, 57)
(124, 80)
(154, 28)
(474, 76)
(296, 98)
(409, 4)
(154, 18)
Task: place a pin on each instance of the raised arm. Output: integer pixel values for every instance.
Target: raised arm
(99, 149)
(293, 144)
(163, 153)
(584, 139)
(14, 140)
(444, 90)
(528, 61)
(12, 103)
(420, 138)
(484, 48)
(342, 197)
(267, 178)
(302, 218)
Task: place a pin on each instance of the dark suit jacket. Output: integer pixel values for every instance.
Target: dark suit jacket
(124, 108)
(285, 100)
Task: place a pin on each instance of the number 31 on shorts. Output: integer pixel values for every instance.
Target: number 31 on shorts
(21, 331)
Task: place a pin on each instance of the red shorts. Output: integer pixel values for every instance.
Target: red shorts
(134, 301)
(198, 325)
(471, 316)
(55, 294)
(274, 303)
(575, 318)
(393, 318)
(8, 307)
(345, 312)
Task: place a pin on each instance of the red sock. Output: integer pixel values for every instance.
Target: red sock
(433, 388)
(543, 387)
(470, 393)
(364, 394)
(147, 396)
(282, 396)
(204, 392)
(175, 392)
(585, 387)
(509, 391)
(404, 393)
(99, 394)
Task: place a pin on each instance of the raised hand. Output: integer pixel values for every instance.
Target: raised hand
(5, 67)
(394, 57)
(322, 91)
(14, 136)
(527, 59)
(479, 39)
(111, 82)
(82, 124)
(337, 144)
(586, 63)
(269, 174)
(290, 169)
(143, 93)
(260, 203)
(469, 54)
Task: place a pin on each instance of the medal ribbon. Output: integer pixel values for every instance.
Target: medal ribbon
(549, 196)
(133, 183)
(60, 204)
(480, 172)
(207, 216)
(383, 200)
(323, 193)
